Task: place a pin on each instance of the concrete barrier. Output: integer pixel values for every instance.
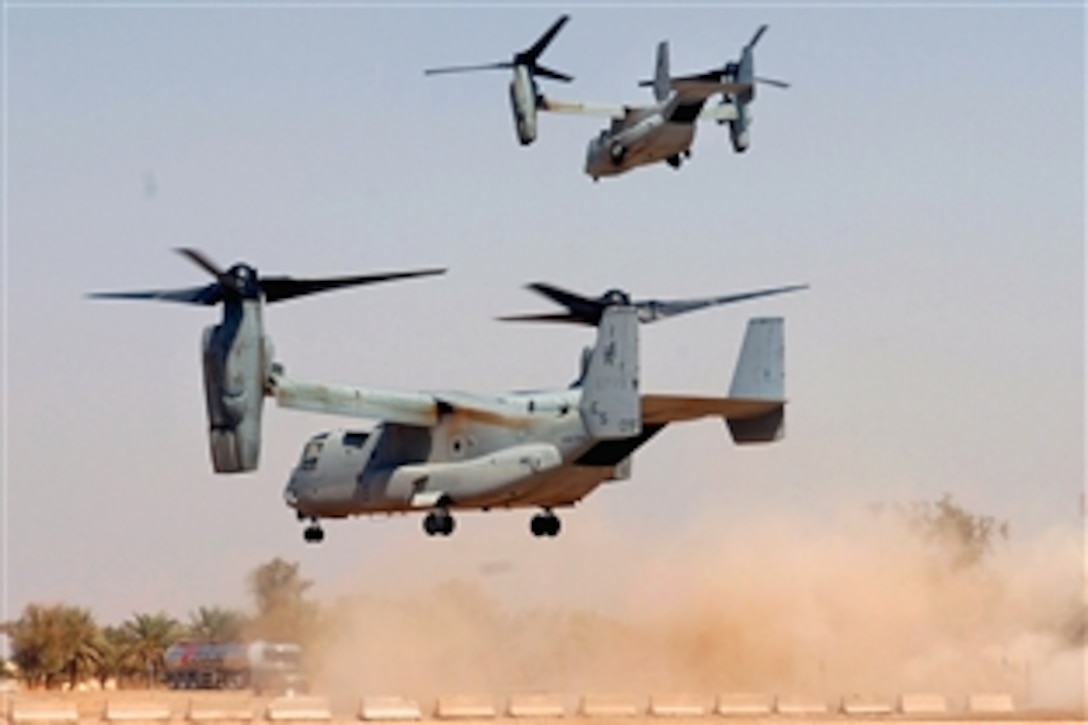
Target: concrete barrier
(389, 708)
(923, 703)
(465, 707)
(744, 703)
(298, 708)
(610, 705)
(856, 704)
(991, 703)
(215, 709)
(129, 711)
(678, 705)
(800, 705)
(536, 705)
(39, 711)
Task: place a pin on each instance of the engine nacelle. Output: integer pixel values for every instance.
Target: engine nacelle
(523, 104)
(738, 127)
(236, 361)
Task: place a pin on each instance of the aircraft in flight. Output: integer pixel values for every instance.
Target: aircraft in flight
(437, 452)
(638, 135)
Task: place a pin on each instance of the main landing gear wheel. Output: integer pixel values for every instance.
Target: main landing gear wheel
(313, 534)
(674, 161)
(438, 523)
(545, 524)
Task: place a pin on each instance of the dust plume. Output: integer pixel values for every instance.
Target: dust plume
(782, 606)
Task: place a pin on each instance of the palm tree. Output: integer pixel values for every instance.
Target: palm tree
(51, 643)
(217, 624)
(148, 636)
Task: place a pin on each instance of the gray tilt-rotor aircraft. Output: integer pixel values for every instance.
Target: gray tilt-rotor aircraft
(439, 452)
(638, 134)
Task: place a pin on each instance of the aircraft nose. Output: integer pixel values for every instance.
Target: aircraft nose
(299, 491)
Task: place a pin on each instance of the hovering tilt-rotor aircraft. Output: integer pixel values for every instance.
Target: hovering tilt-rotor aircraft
(439, 452)
(644, 134)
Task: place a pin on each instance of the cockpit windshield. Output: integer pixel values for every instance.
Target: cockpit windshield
(311, 453)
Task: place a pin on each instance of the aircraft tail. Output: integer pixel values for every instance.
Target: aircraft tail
(611, 406)
(760, 375)
(662, 81)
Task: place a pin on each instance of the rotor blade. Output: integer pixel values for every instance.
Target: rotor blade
(207, 295)
(284, 288)
(467, 68)
(557, 317)
(582, 308)
(545, 72)
(653, 310)
(201, 260)
(759, 34)
(533, 51)
(772, 82)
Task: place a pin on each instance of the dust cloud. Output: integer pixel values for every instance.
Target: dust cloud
(856, 605)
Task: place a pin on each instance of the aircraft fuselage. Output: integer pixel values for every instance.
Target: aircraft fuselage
(536, 452)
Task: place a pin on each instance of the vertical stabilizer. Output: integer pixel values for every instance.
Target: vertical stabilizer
(760, 375)
(611, 407)
(661, 72)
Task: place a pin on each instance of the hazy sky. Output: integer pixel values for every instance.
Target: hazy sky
(924, 173)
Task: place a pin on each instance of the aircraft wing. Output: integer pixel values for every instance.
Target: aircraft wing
(406, 408)
(662, 409)
(584, 109)
(395, 407)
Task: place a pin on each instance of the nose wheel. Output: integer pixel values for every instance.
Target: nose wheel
(313, 534)
(545, 524)
(438, 523)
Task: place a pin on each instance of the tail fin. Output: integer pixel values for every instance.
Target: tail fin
(661, 72)
(760, 375)
(611, 407)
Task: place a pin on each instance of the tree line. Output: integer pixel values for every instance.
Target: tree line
(53, 645)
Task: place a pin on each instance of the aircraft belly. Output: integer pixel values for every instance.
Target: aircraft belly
(670, 139)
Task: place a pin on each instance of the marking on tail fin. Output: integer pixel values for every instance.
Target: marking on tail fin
(611, 405)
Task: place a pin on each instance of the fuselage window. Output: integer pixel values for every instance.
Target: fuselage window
(355, 439)
(311, 453)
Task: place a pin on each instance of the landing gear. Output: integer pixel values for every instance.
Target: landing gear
(545, 524)
(674, 161)
(438, 523)
(313, 534)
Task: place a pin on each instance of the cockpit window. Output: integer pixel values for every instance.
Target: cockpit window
(355, 439)
(310, 453)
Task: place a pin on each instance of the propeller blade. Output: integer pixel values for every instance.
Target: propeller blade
(759, 34)
(533, 51)
(772, 82)
(207, 295)
(468, 68)
(201, 260)
(583, 309)
(654, 310)
(545, 72)
(557, 317)
(277, 289)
